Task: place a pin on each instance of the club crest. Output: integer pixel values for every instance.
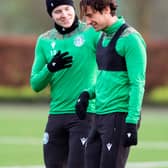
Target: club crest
(79, 41)
(45, 138)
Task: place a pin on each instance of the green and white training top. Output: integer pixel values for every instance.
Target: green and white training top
(67, 84)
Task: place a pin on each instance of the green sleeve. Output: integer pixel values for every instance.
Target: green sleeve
(40, 76)
(135, 54)
(91, 92)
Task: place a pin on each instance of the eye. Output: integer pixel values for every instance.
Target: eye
(57, 11)
(89, 15)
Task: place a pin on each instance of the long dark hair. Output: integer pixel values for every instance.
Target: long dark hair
(97, 5)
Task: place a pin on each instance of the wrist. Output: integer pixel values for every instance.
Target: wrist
(130, 126)
(130, 135)
(85, 94)
(50, 67)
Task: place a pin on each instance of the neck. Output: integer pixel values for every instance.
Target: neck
(112, 20)
(63, 30)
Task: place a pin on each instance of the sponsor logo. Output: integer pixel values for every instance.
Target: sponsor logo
(109, 145)
(83, 140)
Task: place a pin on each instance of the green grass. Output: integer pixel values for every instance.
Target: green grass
(21, 131)
(24, 93)
(158, 95)
(152, 136)
(22, 126)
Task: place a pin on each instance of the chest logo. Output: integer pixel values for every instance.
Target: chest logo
(53, 51)
(53, 45)
(79, 41)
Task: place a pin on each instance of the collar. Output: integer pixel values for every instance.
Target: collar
(63, 30)
(115, 26)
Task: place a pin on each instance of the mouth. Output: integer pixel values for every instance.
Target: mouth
(65, 21)
(94, 25)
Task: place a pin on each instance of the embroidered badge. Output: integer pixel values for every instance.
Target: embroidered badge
(45, 138)
(79, 41)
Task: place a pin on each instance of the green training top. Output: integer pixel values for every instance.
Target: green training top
(122, 91)
(67, 84)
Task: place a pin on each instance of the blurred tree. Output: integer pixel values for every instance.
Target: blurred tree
(29, 16)
(142, 16)
(143, 13)
(23, 17)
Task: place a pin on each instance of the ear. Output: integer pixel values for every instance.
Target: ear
(107, 10)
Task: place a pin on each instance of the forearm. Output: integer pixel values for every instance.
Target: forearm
(135, 103)
(40, 80)
(136, 68)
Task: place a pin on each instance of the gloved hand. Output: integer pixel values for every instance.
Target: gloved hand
(60, 61)
(130, 135)
(82, 104)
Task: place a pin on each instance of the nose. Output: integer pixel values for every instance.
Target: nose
(64, 13)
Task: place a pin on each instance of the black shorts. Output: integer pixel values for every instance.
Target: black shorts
(64, 141)
(107, 135)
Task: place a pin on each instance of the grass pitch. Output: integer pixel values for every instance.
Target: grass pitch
(22, 127)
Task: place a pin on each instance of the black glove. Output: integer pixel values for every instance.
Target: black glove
(82, 104)
(130, 135)
(60, 61)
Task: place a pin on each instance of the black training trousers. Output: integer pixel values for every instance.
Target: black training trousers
(64, 141)
(107, 134)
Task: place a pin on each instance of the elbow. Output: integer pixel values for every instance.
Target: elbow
(35, 87)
